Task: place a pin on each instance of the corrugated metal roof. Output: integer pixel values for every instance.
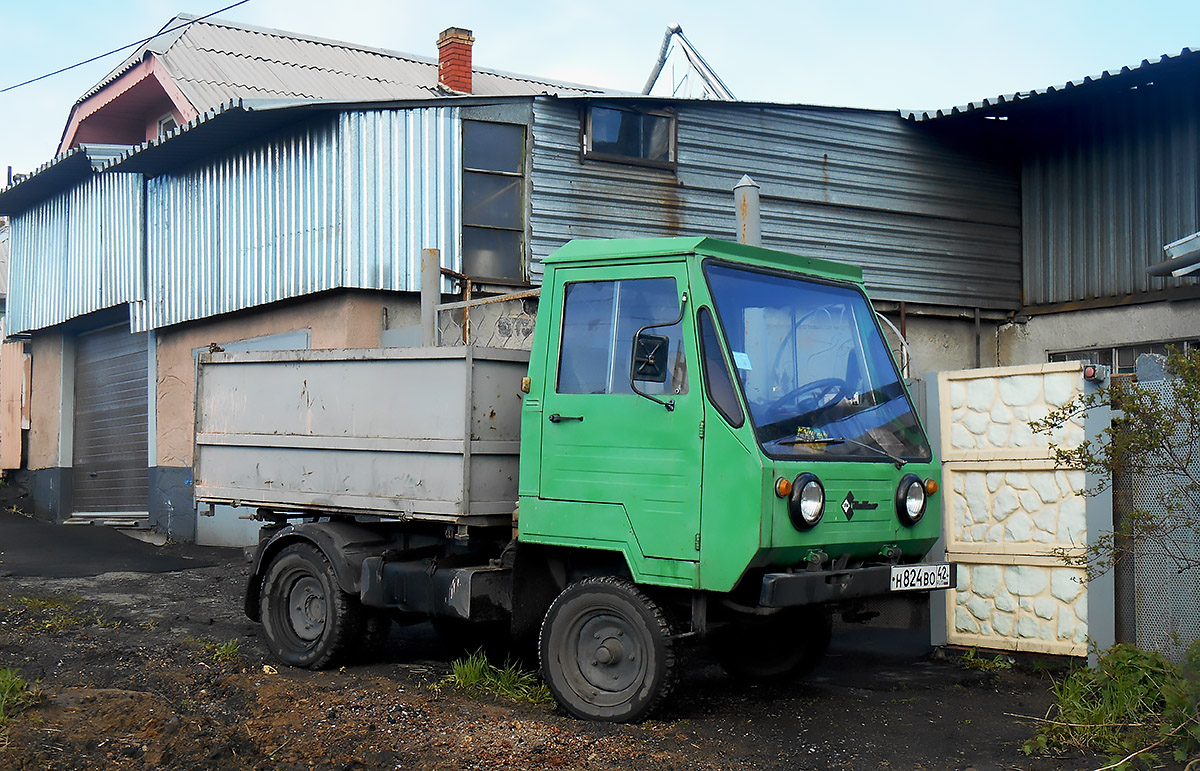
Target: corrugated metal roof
(214, 61)
(1136, 74)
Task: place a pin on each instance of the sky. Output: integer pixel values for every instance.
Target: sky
(915, 54)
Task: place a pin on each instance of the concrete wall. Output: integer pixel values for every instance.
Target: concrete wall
(1028, 342)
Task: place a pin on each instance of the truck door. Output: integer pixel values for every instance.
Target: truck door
(605, 443)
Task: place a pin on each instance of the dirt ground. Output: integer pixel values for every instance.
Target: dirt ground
(162, 670)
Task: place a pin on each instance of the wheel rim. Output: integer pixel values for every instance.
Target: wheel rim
(306, 608)
(604, 657)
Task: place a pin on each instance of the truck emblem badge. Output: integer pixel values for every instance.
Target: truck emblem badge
(850, 505)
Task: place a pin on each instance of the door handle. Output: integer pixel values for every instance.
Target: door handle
(556, 418)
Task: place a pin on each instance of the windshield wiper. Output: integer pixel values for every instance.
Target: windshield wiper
(841, 440)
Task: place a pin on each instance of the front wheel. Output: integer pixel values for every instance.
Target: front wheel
(785, 645)
(307, 619)
(606, 651)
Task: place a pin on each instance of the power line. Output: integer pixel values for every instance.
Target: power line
(124, 47)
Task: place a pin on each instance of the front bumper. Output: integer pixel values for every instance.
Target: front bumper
(786, 590)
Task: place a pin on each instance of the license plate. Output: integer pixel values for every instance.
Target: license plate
(909, 578)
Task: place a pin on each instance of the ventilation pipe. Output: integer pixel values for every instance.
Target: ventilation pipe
(745, 199)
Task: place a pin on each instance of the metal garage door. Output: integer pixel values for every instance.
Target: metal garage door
(110, 457)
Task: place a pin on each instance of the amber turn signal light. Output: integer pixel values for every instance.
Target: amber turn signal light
(931, 486)
(783, 487)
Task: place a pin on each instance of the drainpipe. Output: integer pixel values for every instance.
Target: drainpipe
(749, 226)
(431, 279)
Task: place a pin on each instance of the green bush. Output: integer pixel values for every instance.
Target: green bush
(1132, 704)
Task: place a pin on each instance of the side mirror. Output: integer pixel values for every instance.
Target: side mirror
(650, 357)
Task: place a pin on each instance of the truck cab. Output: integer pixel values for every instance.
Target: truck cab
(716, 412)
(730, 421)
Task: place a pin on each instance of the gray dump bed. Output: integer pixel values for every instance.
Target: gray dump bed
(422, 433)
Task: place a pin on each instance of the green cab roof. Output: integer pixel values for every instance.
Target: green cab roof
(609, 250)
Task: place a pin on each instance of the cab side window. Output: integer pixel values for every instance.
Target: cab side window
(599, 321)
(717, 380)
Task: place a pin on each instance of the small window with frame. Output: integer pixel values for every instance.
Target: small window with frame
(493, 201)
(629, 135)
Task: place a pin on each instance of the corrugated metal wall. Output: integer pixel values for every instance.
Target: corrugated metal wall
(254, 227)
(346, 202)
(403, 192)
(927, 221)
(76, 253)
(1105, 186)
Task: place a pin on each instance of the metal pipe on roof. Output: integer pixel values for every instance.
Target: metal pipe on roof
(749, 220)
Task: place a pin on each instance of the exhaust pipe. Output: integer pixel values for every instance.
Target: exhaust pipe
(745, 198)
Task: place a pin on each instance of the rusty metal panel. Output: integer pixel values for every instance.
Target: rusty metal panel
(1104, 186)
(927, 220)
(77, 252)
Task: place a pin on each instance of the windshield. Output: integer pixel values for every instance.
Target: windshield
(814, 368)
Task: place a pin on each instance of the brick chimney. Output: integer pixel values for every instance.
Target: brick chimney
(454, 59)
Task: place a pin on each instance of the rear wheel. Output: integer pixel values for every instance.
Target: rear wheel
(307, 619)
(606, 651)
(784, 645)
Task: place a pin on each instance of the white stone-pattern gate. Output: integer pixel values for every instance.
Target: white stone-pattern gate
(1007, 510)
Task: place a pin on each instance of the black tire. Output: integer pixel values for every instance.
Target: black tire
(606, 651)
(307, 619)
(782, 646)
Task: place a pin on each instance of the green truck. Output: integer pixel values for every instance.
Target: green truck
(710, 442)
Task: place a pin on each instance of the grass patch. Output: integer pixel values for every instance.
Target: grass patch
(230, 650)
(53, 614)
(1132, 706)
(972, 660)
(15, 694)
(476, 675)
(221, 652)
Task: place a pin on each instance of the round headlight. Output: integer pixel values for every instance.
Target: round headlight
(911, 499)
(807, 501)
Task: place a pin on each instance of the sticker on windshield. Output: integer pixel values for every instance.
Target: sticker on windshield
(741, 360)
(808, 434)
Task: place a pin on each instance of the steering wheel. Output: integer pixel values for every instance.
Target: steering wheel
(813, 395)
